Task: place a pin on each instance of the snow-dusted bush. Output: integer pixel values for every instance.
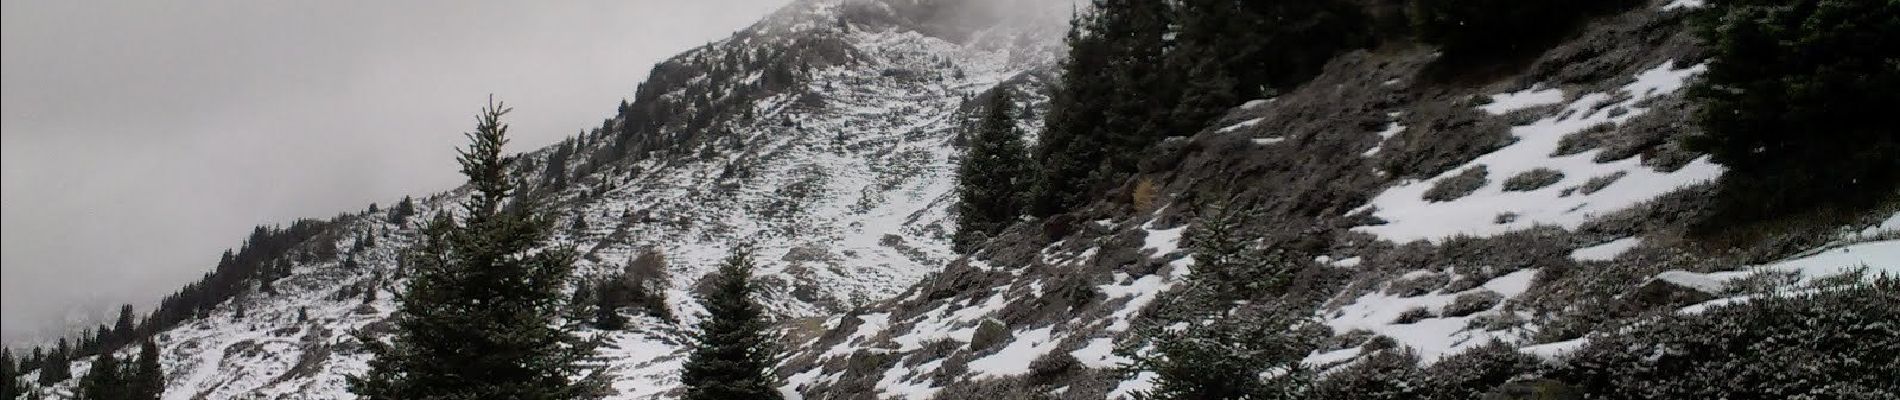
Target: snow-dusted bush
(1458, 186)
(1830, 344)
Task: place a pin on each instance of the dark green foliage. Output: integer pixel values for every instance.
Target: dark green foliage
(735, 351)
(1471, 374)
(1834, 344)
(402, 210)
(1231, 50)
(1071, 146)
(609, 297)
(148, 378)
(56, 368)
(1230, 265)
(477, 320)
(1797, 103)
(1140, 71)
(1481, 30)
(10, 385)
(107, 380)
(993, 177)
(1382, 375)
(1252, 352)
(1217, 337)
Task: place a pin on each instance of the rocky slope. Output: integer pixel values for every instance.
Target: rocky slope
(825, 136)
(1536, 209)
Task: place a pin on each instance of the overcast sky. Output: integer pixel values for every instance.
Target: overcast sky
(141, 138)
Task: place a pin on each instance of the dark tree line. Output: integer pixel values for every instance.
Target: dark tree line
(1139, 71)
(138, 378)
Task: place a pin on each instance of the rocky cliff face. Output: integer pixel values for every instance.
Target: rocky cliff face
(1532, 209)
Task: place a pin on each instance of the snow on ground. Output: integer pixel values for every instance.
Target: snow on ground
(1505, 103)
(1683, 4)
(1162, 241)
(1432, 337)
(1391, 129)
(1014, 358)
(1099, 353)
(1240, 125)
(1606, 251)
(1410, 217)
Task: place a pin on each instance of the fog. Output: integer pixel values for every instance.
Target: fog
(142, 138)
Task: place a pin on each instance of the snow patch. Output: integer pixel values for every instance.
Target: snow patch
(1484, 212)
(1606, 251)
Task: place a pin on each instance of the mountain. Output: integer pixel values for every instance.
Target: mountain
(1544, 208)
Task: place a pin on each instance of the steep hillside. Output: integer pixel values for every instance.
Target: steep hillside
(825, 136)
(1537, 210)
(1423, 219)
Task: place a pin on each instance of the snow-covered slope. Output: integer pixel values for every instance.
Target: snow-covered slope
(825, 137)
(1437, 217)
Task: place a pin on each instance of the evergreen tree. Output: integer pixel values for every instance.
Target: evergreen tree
(10, 385)
(1137, 31)
(1229, 263)
(735, 353)
(478, 318)
(123, 331)
(1070, 148)
(147, 378)
(402, 210)
(610, 296)
(106, 380)
(1795, 104)
(55, 369)
(33, 360)
(993, 175)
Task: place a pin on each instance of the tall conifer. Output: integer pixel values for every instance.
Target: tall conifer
(734, 356)
(993, 175)
(478, 318)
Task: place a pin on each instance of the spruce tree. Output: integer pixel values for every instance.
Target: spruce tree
(993, 175)
(10, 385)
(55, 369)
(1070, 149)
(123, 331)
(609, 296)
(402, 210)
(478, 318)
(735, 353)
(147, 377)
(105, 381)
(1796, 105)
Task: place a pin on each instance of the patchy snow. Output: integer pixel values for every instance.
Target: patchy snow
(1878, 257)
(1505, 103)
(1391, 129)
(1432, 337)
(1268, 141)
(1700, 282)
(1684, 4)
(1319, 358)
(1239, 125)
(1140, 382)
(1014, 359)
(1099, 353)
(1409, 217)
(1555, 351)
(1139, 291)
(1162, 242)
(1606, 251)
